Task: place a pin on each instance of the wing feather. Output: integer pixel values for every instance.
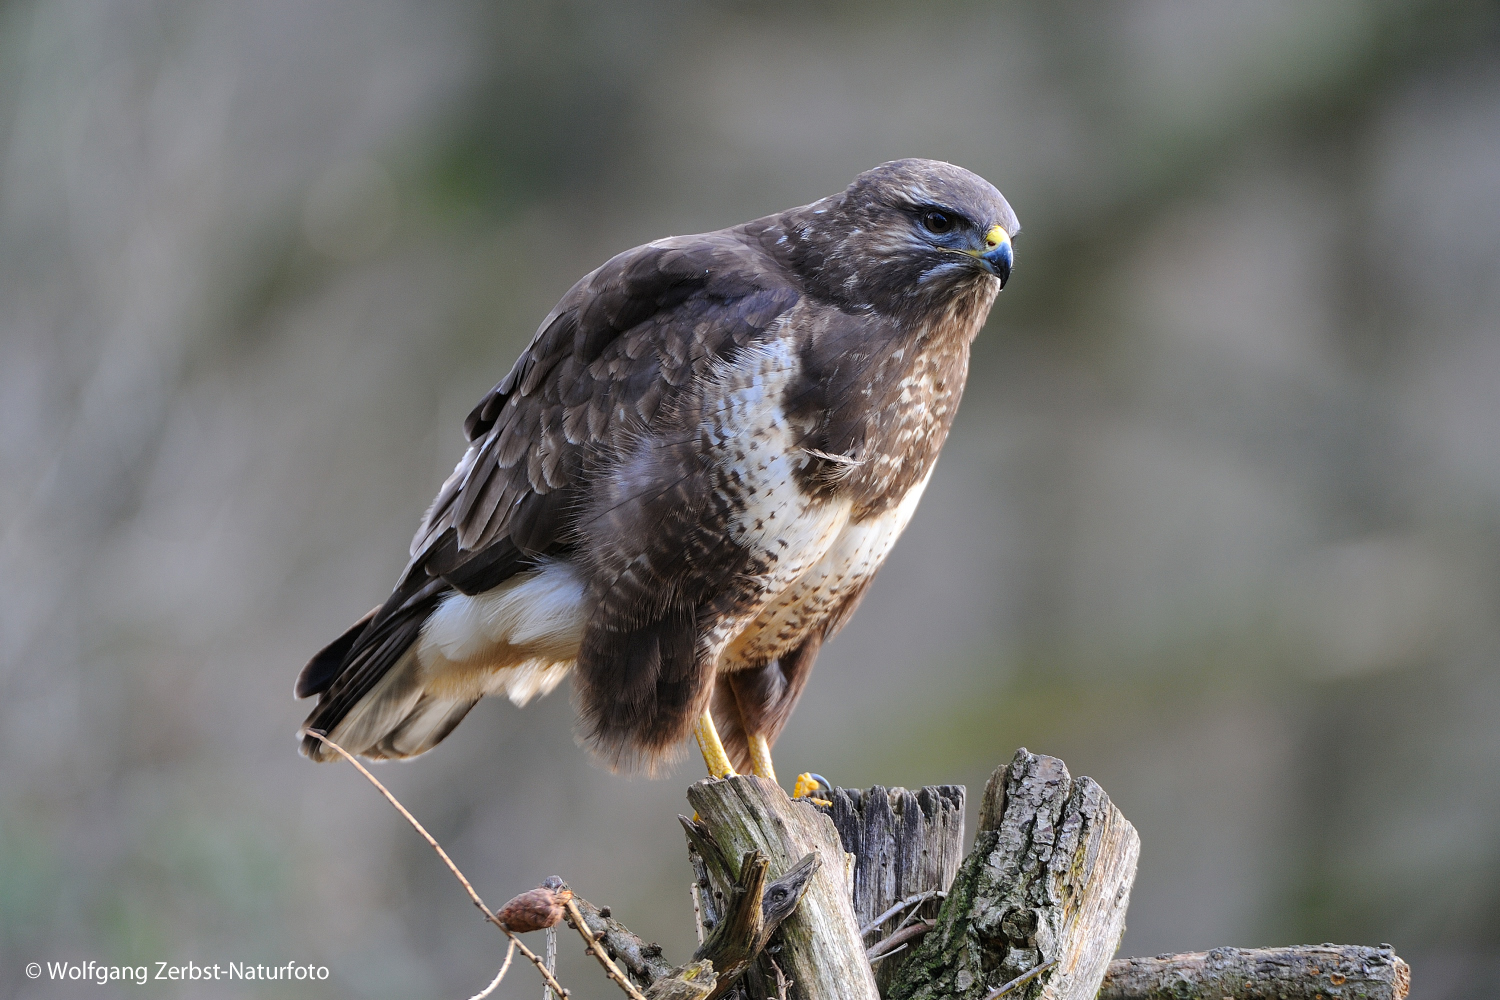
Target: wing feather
(623, 339)
(622, 342)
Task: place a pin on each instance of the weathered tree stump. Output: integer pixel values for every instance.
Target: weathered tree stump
(1305, 972)
(905, 844)
(821, 953)
(1048, 882)
(1035, 911)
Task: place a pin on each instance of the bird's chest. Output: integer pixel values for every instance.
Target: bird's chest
(759, 448)
(904, 431)
(813, 526)
(821, 591)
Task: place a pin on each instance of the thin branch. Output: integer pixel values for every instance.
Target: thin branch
(920, 897)
(697, 911)
(534, 959)
(885, 946)
(510, 953)
(488, 913)
(1018, 982)
(914, 915)
(551, 950)
(595, 949)
(887, 954)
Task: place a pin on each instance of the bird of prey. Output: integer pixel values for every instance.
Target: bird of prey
(688, 480)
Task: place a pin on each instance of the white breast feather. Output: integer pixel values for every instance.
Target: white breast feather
(761, 455)
(855, 555)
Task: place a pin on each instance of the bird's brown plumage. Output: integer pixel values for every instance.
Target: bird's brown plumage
(678, 401)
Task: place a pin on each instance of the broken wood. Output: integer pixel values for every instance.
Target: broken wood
(1305, 972)
(739, 937)
(1048, 881)
(821, 951)
(720, 960)
(642, 962)
(907, 847)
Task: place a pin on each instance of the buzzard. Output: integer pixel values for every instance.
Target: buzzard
(688, 480)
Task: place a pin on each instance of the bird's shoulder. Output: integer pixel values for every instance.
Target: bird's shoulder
(603, 367)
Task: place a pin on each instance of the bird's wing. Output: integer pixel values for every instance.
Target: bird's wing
(626, 340)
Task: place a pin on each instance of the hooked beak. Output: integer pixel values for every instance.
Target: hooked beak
(997, 256)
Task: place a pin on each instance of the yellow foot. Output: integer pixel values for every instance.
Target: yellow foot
(807, 787)
(712, 748)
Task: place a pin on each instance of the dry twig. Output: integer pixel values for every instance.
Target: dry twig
(488, 913)
(913, 900)
(551, 952)
(890, 945)
(1018, 982)
(510, 953)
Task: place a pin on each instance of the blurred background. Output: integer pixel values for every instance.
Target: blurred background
(1219, 522)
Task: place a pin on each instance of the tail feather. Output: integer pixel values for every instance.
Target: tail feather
(398, 681)
(375, 687)
(363, 725)
(395, 719)
(328, 662)
(426, 724)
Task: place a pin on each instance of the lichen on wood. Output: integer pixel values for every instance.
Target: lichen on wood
(1302, 972)
(1048, 880)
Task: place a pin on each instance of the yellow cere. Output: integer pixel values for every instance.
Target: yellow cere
(995, 237)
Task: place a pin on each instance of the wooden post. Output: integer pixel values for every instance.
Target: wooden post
(1305, 972)
(904, 844)
(821, 952)
(1048, 881)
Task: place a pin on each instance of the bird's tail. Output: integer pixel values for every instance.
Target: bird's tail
(372, 700)
(396, 719)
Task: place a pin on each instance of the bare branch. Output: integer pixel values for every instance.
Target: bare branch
(1302, 972)
(886, 946)
(1019, 981)
(469, 888)
(913, 900)
(550, 936)
(510, 953)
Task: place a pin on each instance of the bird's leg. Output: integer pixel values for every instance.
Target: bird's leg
(760, 757)
(712, 747)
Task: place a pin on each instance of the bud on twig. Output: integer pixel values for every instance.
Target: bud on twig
(536, 909)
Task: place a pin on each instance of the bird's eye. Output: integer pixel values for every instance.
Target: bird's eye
(938, 222)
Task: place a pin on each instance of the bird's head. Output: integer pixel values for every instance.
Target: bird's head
(909, 234)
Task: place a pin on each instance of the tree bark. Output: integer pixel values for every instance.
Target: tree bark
(1304, 972)
(821, 952)
(1048, 881)
(904, 844)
